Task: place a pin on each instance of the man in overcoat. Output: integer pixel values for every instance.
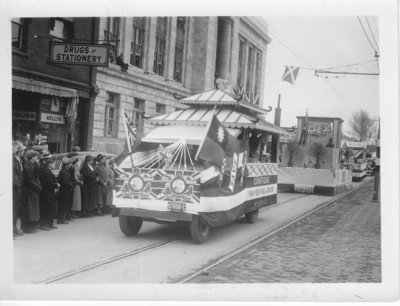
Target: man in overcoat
(66, 181)
(102, 189)
(47, 197)
(18, 181)
(31, 189)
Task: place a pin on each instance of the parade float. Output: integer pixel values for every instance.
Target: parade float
(200, 165)
(311, 163)
(358, 160)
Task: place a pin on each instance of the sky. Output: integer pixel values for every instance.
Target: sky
(321, 42)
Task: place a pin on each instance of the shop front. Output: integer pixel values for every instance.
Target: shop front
(44, 114)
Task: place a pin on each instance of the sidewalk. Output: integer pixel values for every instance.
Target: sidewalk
(339, 244)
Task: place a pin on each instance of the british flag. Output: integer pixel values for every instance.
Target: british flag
(130, 130)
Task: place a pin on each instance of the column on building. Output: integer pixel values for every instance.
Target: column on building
(224, 46)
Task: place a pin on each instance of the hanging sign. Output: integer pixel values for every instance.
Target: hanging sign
(79, 54)
(52, 118)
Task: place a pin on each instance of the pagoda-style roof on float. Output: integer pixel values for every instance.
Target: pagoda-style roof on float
(229, 111)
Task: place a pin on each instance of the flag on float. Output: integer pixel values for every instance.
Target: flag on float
(130, 130)
(344, 147)
(290, 74)
(218, 144)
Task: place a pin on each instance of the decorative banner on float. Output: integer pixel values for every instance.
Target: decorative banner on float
(79, 54)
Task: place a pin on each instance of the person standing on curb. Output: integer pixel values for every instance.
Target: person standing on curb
(110, 185)
(89, 187)
(49, 184)
(101, 184)
(31, 190)
(66, 182)
(18, 181)
(77, 194)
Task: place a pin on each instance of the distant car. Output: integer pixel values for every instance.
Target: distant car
(370, 166)
(81, 156)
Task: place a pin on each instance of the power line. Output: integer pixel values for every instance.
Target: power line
(366, 35)
(355, 64)
(336, 92)
(288, 48)
(276, 33)
(373, 37)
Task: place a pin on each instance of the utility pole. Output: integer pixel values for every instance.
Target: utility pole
(376, 195)
(275, 138)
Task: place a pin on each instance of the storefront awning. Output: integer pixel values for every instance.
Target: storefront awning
(31, 85)
(173, 133)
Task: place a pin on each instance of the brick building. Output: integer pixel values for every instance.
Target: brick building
(43, 92)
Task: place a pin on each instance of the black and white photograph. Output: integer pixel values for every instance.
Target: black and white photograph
(240, 151)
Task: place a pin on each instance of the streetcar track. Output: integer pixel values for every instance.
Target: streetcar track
(103, 262)
(132, 253)
(266, 236)
(164, 242)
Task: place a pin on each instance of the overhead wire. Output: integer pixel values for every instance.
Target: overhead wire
(373, 36)
(366, 35)
(276, 33)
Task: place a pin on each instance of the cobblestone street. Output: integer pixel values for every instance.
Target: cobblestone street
(339, 244)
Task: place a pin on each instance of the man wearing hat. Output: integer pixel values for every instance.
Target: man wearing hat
(31, 190)
(18, 181)
(66, 182)
(47, 198)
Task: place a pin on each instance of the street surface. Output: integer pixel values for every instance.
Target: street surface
(94, 250)
(340, 243)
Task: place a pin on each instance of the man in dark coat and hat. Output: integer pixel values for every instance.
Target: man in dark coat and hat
(31, 190)
(18, 181)
(47, 197)
(66, 181)
(102, 189)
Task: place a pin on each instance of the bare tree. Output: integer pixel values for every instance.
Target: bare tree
(361, 124)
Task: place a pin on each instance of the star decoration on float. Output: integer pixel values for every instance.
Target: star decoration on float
(220, 134)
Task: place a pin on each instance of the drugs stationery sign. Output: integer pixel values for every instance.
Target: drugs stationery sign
(79, 54)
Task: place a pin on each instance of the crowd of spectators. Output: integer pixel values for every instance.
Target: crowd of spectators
(41, 199)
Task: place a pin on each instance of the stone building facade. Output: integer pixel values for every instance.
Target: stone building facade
(154, 60)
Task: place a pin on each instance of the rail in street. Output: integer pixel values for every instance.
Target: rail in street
(167, 242)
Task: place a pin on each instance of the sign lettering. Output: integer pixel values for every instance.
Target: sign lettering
(52, 118)
(79, 54)
(29, 116)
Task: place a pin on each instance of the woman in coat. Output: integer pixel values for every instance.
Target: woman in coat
(66, 181)
(77, 196)
(102, 189)
(90, 179)
(49, 184)
(32, 188)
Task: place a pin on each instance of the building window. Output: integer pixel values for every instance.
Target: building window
(137, 44)
(111, 115)
(111, 36)
(178, 64)
(249, 68)
(138, 112)
(249, 72)
(161, 109)
(179, 47)
(18, 32)
(159, 54)
(61, 29)
(240, 76)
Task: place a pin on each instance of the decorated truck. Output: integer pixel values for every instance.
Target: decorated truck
(201, 165)
(358, 161)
